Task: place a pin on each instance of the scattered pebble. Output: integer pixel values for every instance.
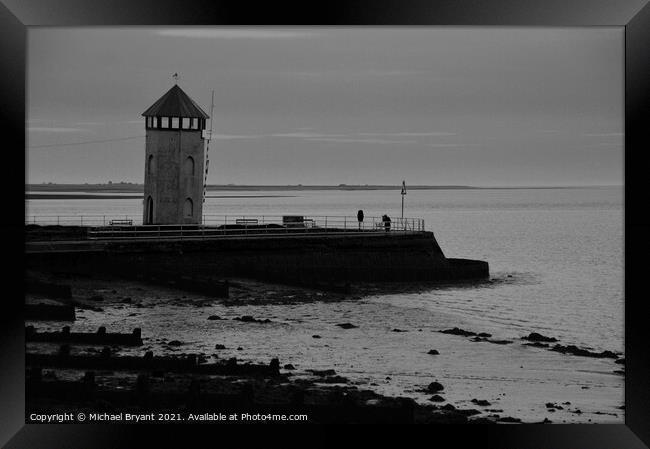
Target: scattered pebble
(434, 387)
(458, 331)
(250, 319)
(509, 419)
(574, 350)
(535, 337)
(322, 372)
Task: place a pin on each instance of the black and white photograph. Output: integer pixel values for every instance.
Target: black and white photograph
(382, 224)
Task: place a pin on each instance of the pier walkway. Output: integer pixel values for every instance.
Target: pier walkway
(93, 232)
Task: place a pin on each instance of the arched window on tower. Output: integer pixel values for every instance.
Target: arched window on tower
(150, 165)
(188, 208)
(188, 169)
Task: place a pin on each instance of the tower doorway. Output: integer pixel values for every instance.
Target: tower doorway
(188, 208)
(149, 211)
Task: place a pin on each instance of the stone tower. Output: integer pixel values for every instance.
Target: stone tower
(174, 160)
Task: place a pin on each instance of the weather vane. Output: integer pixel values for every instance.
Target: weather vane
(175, 76)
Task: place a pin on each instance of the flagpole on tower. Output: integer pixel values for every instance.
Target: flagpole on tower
(207, 148)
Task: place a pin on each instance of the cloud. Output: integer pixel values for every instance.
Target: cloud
(234, 33)
(111, 122)
(604, 134)
(217, 136)
(369, 138)
(452, 145)
(305, 135)
(289, 135)
(357, 73)
(409, 134)
(53, 129)
(353, 140)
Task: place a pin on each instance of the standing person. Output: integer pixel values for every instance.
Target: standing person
(360, 218)
(386, 219)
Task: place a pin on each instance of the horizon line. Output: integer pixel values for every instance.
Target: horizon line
(399, 186)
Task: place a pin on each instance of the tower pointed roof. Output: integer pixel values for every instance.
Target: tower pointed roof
(175, 103)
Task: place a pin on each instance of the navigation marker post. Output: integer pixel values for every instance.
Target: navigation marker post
(403, 193)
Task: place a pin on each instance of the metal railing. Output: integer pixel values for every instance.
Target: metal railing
(214, 226)
(78, 220)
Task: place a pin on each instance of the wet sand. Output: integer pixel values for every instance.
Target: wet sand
(386, 350)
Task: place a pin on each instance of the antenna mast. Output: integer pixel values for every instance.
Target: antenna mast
(207, 149)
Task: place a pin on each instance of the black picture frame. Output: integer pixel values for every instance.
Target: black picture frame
(634, 15)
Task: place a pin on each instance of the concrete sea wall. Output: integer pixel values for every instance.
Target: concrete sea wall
(301, 260)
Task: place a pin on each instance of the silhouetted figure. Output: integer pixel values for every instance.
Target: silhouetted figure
(386, 220)
(360, 217)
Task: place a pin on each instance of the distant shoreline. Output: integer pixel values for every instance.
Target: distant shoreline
(88, 189)
(90, 196)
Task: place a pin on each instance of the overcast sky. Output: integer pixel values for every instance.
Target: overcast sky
(465, 106)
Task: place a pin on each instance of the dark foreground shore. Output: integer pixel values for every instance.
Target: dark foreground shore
(112, 373)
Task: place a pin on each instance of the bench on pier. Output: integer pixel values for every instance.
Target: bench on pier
(246, 221)
(297, 221)
(121, 222)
